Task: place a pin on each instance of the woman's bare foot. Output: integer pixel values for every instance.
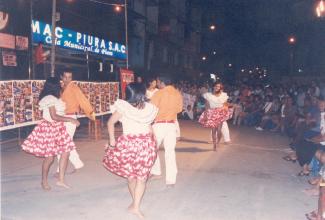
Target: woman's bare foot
(312, 191)
(135, 211)
(46, 186)
(62, 184)
(314, 181)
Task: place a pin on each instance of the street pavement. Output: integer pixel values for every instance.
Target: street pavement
(245, 180)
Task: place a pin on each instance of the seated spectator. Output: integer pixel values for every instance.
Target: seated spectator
(188, 114)
(265, 113)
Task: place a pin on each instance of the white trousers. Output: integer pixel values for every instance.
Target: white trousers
(74, 156)
(178, 129)
(224, 131)
(166, 133)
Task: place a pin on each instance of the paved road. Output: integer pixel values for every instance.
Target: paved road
(246, 180)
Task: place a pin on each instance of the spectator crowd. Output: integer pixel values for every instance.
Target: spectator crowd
(295, 109)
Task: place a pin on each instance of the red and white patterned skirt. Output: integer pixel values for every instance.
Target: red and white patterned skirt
(132, 157)
(48, 139)
(213, 117)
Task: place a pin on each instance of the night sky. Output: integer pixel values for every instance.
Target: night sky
(255, 33)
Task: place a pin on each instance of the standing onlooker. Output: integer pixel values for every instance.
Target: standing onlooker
(169, 102)
(151, 87)
(50, 137)
(74, 100)
(134, 152)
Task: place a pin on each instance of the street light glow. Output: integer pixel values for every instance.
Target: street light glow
(117, 8)
(212, 27)
(292, 40)
(214, 52)
(204, 58)
(230, 65)
(320, 9)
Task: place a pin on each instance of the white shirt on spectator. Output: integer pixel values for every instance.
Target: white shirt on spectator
(149, 93)
(267, 107)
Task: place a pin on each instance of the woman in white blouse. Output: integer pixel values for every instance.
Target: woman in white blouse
(216, 113)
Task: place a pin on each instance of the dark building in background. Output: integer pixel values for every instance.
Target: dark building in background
(14, 40)
(177, 44)
(164, 36)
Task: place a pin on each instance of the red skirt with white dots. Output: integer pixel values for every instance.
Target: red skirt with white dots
(213, 117)
(48, 139)
(132, 157)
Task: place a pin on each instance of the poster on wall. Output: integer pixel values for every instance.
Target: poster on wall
(94, 96)
(37, 87)
(105, 97)
(21, 43)
(85, 88)
(114, 92)
(126, 76)
(9, 58)
(19, 100)
(7, 41)
(6, 104)
(23, 109)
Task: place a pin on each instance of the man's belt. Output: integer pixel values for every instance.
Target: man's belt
(75, 113)
(165, 121)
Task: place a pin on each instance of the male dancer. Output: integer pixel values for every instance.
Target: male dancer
(169, 102)
(74, 101)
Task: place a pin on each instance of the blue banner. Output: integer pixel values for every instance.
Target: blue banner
(75, 40)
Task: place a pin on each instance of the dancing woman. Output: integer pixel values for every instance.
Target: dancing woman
(217, 113)
(134, 153)
(50, 137)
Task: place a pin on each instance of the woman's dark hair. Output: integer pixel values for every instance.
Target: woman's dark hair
(135, 94)
(149, 80)
(218, 82)
(51, 87)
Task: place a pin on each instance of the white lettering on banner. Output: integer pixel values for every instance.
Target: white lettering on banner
(96, 42)
(78, 37)
(36, 27)
(58, 32)
(47, 30)
(102, 44)
(48, 40)
(76, 40)
(106, 52)
(123, 49)
(110, 45)
(116, 48)
(90, 40)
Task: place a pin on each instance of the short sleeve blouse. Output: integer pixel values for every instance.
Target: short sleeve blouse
(216, 101)
(134, 120)
(48, 101)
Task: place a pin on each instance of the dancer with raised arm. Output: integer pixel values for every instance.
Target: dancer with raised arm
(217, 113)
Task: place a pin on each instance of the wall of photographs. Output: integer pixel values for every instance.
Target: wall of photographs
(19, 100)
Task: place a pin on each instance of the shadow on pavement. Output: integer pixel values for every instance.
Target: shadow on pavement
(193, 141)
